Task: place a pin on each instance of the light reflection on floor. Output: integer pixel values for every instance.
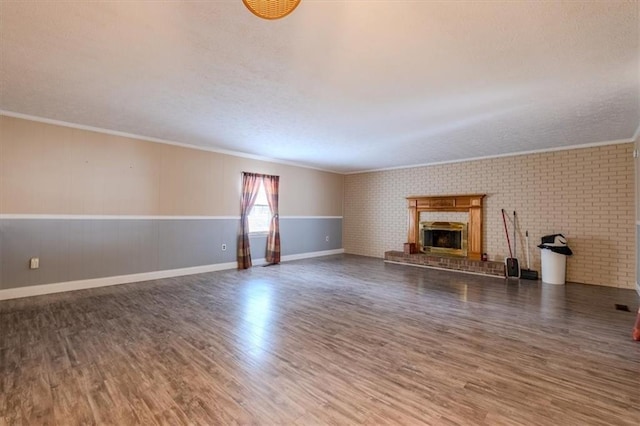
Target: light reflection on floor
(256, 330)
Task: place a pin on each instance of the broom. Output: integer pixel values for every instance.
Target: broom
(528, 274)
(511, 263)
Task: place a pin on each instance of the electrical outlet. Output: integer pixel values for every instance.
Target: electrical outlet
(34, 263)
(326, 238)
(224, 247)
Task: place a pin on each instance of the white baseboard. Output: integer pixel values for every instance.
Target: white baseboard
(260, 262)
(311, 254)
(39, 290)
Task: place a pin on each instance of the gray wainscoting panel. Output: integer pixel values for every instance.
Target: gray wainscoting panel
(78, 249)
(197, 242)
(303, 235)
(258, 245)
(309, 235)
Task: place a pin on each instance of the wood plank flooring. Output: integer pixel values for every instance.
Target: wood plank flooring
(336, 340)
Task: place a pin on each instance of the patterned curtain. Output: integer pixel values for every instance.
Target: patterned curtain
(250, 185)
(273, 238)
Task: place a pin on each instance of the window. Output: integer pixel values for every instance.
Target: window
(260, 215)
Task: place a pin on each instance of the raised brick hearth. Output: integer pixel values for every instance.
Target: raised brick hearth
(453, 263)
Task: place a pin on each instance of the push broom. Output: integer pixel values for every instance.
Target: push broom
(528, 273)
(511, 263)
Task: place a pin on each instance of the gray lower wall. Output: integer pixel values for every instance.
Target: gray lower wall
(78, 249)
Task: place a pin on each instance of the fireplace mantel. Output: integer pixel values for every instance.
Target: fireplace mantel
(471, 203)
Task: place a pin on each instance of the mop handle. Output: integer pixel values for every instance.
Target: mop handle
(527, 241)
(506, 231)
(515, 237)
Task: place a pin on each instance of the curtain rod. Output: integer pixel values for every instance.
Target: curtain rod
(259, 174)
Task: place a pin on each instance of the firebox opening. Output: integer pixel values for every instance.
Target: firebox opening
(448, 238)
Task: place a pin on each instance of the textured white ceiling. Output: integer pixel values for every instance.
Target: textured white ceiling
(338, 85)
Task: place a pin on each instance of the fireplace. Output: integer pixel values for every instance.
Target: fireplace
(471, 203)
(447, 238)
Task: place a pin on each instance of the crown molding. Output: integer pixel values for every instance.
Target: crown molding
(13, 114)
(488, 157)
(157, 140)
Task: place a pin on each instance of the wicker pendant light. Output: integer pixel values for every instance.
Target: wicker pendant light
(271, 9)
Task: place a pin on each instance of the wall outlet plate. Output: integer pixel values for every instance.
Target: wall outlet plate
(34, 263)
(224, 247)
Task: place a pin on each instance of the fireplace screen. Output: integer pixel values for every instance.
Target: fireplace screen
(448, 238)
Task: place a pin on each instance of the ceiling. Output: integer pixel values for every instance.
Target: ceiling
(344, 86)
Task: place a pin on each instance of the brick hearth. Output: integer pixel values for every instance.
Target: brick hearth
(453, 263)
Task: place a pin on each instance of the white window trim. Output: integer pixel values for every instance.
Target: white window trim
(261, 233)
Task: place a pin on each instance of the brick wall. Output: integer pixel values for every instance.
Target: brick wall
(587, 194)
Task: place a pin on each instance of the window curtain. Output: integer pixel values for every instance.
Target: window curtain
(250, 185)
(271, 184)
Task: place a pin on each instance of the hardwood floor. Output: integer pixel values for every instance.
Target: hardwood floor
(335, 340)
